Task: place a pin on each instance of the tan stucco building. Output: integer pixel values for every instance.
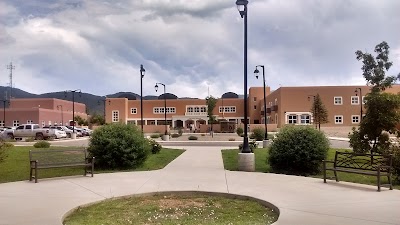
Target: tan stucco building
(286, 105)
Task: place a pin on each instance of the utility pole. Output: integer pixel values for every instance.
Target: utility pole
(11, 67)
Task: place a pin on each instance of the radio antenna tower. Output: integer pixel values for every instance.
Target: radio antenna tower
(11, 67)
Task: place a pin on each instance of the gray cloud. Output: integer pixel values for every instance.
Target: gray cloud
(191, 46)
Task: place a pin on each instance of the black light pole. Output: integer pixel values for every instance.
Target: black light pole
(315, 110)
(4, 110)
(142, 71)
(73, 105)
(361, 102)
(62, 114)
(242, 7)
(165, 106)
(256, 72)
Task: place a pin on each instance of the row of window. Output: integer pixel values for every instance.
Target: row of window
(227, 109)
(16, 123)
(355, 100)
(304, 119)
(196, 109)
(157, 110)
(354, 119)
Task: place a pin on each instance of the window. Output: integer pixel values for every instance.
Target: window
(354, 100)
(203, 109)
(305, 119)
(160, 110)
(43, 123)
(337, 100)
(156, 110)
(133, 110)
(255, 107)
(29, 127)
(255, 99)
(233, 109)
(363, 100)
(1, 123)
(115, 116)
(292, 119)
(221, 109)
(36, 126)
(29, 121)
(190, 109)
(15, 123)
(355, 119)
(339, 119)
(196, 109)
(20, 128)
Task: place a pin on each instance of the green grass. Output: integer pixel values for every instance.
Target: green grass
(230, 158)
(15, 167)
(173, 209)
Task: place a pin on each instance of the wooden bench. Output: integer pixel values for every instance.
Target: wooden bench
(365, 164)
(47, 159)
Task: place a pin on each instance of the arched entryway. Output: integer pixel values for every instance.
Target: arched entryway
(178, 124)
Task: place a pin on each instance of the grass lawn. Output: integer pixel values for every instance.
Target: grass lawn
(230, 158)
(16, 165)
(173, 209)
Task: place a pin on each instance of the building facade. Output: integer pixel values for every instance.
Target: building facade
(42, 111)
(286, 105)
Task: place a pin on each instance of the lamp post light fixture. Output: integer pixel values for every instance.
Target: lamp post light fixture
(314, 111)
(242, 8)
(62, 113)
(5, 101)
(165, 106)
(73, 108)
(256, 72)
(361, 102)
(142, 72)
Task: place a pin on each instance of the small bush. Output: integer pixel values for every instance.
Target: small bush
(4, 146)
(298, 150)
(192, 138)
(8, 145)
(175, 135)
(252, 145)
(155, 135)
(239, 131)
(231, 139)
(258, 134)
(30, 139)
(42, 144)
(155, 147)
(118, 146)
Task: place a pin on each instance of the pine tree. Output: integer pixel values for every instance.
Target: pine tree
(319, 111)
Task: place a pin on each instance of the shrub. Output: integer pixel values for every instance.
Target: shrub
(239, 131)
(258, 134)
(231, 139)
(118, 146)
(155, 136)
(42, 144)
(298, 150)
(175, 135)
(4, 146)
(252, 145)
(192, 138)
(155, 147)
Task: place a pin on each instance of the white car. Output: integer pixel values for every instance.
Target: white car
(58, 133)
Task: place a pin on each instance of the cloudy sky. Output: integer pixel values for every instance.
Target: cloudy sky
(190, 45)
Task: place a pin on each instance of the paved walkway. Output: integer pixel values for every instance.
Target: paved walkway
(302, 201)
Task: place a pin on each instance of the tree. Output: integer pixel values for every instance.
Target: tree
(211, 103)
(80, 121)
(382, 114)
(319, 112)
(97, 119)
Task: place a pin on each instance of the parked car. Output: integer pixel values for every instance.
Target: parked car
(31, 130)
(77, 131)
(62, 128)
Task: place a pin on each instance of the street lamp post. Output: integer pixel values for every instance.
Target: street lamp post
(62, 113)
(314, 111)
(361, 103)
(4, 110)
(242, 8)
(256, 72)
(73, 108)
(165, 106)
(142, 72)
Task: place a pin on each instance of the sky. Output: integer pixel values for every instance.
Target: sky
(194, 47)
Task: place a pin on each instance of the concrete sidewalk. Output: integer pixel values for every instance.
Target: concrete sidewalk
(302, 201)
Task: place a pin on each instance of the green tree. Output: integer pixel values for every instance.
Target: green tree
(319, 111)
(97, 119)
(382, 114)
(80, 121)
(211, 103)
